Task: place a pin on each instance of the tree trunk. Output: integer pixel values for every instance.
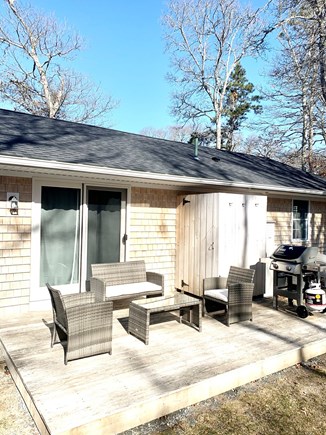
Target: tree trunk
(322, 56)
(218, 132)
(304, 131)
(310, 138)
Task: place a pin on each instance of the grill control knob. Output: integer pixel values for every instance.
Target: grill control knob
(275, 265)
(288, 268)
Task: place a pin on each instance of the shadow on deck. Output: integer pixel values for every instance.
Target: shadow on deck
(138, 383)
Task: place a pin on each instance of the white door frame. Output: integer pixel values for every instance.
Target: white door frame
(38, 296)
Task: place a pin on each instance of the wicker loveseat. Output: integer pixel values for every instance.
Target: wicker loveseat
(128, 280)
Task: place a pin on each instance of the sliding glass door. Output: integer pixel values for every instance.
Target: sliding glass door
(74, 227)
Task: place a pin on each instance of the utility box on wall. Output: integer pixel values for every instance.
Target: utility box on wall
(263, 278)
(214, 231)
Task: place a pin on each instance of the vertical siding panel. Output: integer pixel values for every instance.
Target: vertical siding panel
(202, 248)
(179, 242)
(185, 271)
(212, 234)
(191, 242)
(198, 224)
(217, 211)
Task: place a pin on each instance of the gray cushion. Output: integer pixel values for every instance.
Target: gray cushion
(218, 294)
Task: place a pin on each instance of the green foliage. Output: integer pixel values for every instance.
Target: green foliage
(239, 101)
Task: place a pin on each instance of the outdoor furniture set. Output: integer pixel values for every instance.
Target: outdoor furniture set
(83, 322)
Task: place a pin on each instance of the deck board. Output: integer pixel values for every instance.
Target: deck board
(137, 383)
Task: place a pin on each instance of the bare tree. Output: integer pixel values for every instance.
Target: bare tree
(173, 132)
(33, 78)
(312, 16)
(265, 144)
(296, 74)
(297, 111)
(207, 39)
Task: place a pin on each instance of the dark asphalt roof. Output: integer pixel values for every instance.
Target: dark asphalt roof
(27, 136)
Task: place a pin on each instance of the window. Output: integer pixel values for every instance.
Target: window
(300, 211)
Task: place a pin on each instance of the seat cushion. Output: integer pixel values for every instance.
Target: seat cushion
(218, 294)
(113, 291)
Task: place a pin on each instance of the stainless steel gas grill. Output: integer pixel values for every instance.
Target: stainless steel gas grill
(296, 270)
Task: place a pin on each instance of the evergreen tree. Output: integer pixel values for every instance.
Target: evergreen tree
(239, 102)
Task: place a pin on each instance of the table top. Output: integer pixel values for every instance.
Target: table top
(177, 300)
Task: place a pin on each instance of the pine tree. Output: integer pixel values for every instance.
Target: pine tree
(239, 102)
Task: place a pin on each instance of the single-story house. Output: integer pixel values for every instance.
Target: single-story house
(73, 195)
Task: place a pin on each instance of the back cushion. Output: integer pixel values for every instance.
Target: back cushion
(120, 273)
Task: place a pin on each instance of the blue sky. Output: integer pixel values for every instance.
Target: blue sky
(124, 53)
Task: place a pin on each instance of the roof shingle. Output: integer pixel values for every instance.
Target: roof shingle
(27, 136)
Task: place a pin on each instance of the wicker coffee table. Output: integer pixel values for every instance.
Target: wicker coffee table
(190, 312)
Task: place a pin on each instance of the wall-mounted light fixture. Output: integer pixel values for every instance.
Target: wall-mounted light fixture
(13, 202)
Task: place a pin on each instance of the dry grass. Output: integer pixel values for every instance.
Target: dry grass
(291, 402)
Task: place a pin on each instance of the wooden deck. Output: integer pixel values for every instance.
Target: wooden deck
(137, 383)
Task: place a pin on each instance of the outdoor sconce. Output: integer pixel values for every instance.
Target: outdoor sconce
(13, 203)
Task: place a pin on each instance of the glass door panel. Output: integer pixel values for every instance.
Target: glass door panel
(60, 236)
(104, 227)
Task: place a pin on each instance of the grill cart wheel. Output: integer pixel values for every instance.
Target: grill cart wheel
(302, 311)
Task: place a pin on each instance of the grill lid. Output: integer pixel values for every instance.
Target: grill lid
(300, 254)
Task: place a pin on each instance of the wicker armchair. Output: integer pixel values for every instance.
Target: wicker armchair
(81, 325)
(234, 293)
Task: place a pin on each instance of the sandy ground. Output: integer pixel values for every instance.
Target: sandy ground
(14, 416)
